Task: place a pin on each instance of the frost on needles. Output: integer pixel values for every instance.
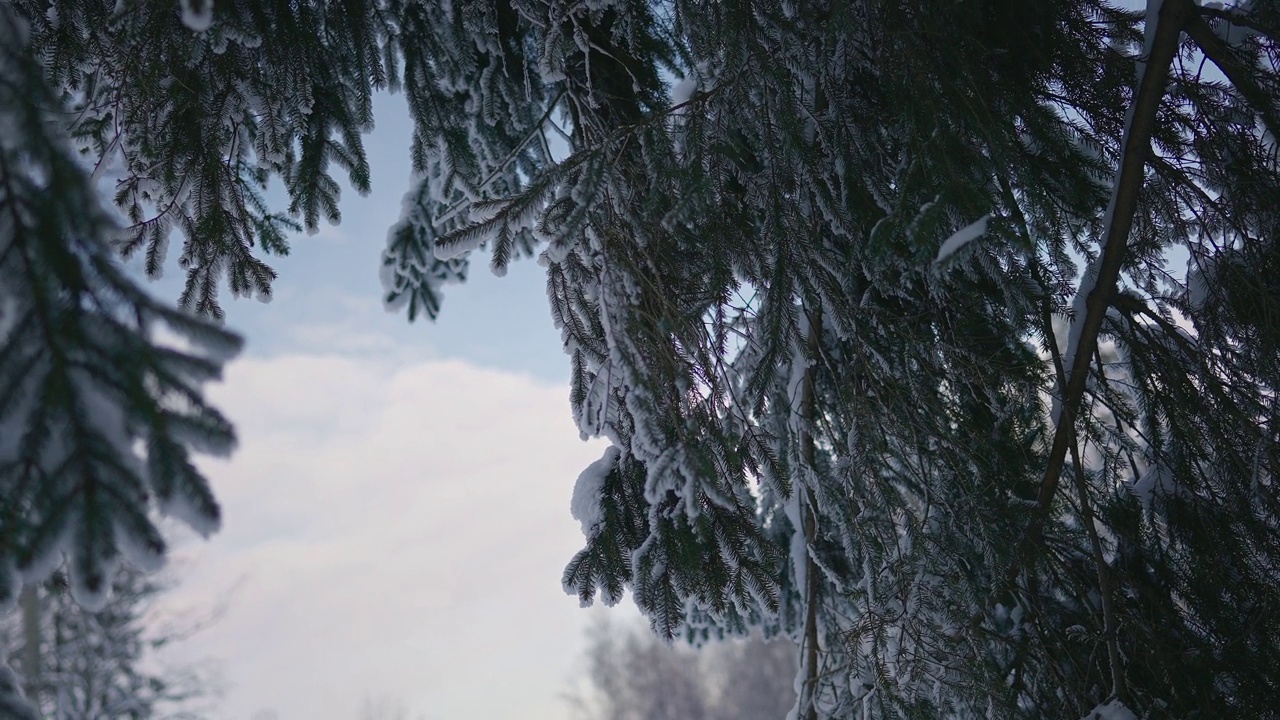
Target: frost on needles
(838, 407)
(98, 419)
(831, 409)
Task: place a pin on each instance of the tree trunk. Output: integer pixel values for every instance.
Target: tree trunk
(809, 521)
(29, 601)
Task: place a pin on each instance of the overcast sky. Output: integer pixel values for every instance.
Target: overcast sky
(397, 514)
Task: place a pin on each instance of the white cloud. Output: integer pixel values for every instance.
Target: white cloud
(403, 527)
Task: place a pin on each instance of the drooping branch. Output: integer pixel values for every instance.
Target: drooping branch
(1105, 584)
(1219, 53)
(1115, 244)
(1235, 17)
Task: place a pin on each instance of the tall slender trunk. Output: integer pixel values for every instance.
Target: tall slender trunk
(29, 601)
(809, 518)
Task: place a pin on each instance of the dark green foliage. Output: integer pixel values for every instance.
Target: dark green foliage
(81, 376)
(751, 306)
(827, 418)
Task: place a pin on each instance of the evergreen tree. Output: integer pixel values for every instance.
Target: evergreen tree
(879, 303)
(101, 664)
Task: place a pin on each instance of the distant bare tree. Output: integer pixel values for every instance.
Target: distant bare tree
(754, 679)
(632, 675)
(384, 707)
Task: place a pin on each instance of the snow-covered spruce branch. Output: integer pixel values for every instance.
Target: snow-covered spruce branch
(1264, 103)
(1239, 17)
(485, 183)
(83, 382)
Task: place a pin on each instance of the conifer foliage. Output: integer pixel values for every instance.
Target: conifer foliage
(102, 664)
(881, 304)
(98, 418)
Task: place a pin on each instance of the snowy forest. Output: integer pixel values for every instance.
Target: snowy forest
(937, 338)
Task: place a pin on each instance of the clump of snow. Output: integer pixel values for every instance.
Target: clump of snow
(588, 491)
(1200, 279)
(1079, 309)
(1111, 710)
(1150, 23)
(197, 14)
(962, 237)
(682, 91)
(1227, 31)
(1156, 480)
(799, 546)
